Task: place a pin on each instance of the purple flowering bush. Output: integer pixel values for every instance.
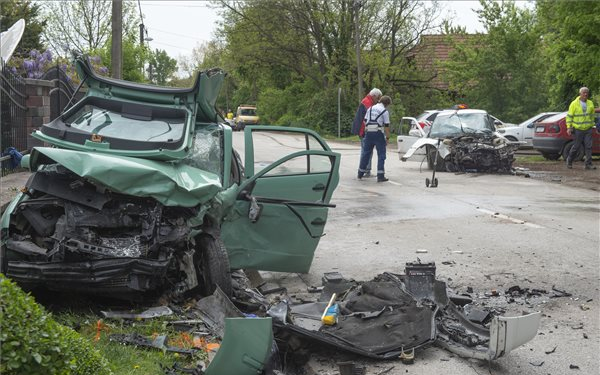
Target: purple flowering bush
(39, 62)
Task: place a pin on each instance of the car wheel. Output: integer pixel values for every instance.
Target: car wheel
(212, 265)
(578, 156)
(550, 155)
(511, 138)
(431, 155)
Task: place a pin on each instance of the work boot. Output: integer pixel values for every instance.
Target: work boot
(368, 174)
(360, 175)
(590, 166)
(569, 164)
(382, 178)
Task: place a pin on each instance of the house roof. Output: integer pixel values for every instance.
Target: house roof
(433, 50)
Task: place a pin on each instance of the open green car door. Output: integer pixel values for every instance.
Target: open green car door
(281, 211)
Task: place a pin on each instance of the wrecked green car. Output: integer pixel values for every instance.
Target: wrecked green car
(141, 192)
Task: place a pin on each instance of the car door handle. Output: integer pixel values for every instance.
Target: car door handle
(319, 187)
(318, 221)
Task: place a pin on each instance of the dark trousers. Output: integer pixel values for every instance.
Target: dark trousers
(582, 137)
(362, 152)
(373, 140)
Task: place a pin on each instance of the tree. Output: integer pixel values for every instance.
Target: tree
(83, 25)
(501, 71)
(303, 51)
(163, 67)
(134, 57)
(571, 48)
(13, 10)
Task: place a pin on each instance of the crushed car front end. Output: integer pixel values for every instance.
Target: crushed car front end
(128, 199)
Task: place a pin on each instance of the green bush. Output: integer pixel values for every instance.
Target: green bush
(33, 343)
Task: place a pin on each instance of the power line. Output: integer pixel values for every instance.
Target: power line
(181, 35)
(170, 45)
(179, 5)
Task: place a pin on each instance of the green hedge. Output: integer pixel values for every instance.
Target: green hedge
(33, 343)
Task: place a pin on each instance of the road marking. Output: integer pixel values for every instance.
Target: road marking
(514, 220)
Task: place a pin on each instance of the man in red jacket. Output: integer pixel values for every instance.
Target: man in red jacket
(358, 125)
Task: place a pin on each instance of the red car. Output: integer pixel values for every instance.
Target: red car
(552, 141)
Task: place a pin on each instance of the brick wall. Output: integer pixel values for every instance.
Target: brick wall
(38, 104)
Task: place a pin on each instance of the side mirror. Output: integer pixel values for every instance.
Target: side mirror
(497, 123)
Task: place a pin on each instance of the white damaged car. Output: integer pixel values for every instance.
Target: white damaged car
(462, 140)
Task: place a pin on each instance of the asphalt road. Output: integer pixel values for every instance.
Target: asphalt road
(499, 230)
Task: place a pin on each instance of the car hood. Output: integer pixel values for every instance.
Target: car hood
(203, 93)
(172, 184)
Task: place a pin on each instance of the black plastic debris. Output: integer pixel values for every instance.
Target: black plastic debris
(269, 288)
(551, 351)
(350, 368)
(178, 369)
(574, 367)
(557, 293)
(478, 316)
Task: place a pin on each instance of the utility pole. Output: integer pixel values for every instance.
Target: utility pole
(357, 5)
(117, 33)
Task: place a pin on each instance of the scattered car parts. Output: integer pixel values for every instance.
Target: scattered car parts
(394, 314)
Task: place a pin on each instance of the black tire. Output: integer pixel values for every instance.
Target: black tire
(431, 155)
(550, 155)
(212, 265)
(434, 183)
(511, 138)
(578, 156)
(427, 182)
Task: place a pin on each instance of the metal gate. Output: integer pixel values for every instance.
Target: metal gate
(61, 95)
(13, 129)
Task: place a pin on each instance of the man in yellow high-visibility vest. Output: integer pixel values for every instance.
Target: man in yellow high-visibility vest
(580, 120)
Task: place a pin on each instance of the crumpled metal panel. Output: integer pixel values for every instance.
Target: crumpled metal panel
(245, 347)
(169, 183)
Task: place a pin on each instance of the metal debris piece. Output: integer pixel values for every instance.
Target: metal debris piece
(538, 364)
(559, 293)
(385, 371)
(158, 343)
(153, 312)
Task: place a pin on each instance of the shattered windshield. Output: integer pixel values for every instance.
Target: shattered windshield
(206, 153)
(459, 123)
(148, 126)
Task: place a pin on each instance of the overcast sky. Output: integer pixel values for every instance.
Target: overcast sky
(178, 26)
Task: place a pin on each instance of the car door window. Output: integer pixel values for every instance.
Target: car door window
(276, 145)
(305, 164)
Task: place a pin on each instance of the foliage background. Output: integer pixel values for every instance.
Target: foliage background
(291, 58)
